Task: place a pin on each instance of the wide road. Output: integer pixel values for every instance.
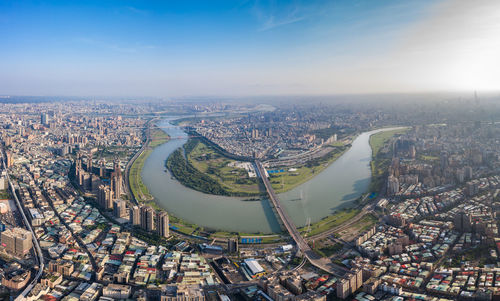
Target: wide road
(316, 260)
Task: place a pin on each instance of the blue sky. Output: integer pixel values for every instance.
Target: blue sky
(182, 48)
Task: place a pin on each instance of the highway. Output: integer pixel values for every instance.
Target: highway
(322, 263)
(38, 250)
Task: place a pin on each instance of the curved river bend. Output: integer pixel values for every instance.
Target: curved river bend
(334, 188)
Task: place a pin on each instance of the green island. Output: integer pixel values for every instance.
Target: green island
(139, 190)
(201, 167)
(189, 176)
(381, 156)
(233, 179)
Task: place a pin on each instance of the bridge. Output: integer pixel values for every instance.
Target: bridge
(322, 263)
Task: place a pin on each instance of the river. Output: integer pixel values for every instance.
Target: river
(335, 187)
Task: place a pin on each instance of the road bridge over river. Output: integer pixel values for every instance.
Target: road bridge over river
(322, 263)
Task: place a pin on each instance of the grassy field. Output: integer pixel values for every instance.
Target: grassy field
(331, 221)
(158, 137)
(379, 161)
(378, 140)
(428, 158)
(362, 225)
(288, 180)
(4, 194)
(327, 251)
(138, 188)
(235, 180)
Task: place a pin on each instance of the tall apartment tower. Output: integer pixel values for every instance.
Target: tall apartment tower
(9, 159)
(135, 216)
(17, 241)
(89, 163)
(102, 168)
(162, 224)
(147, 218)
(105, 197)
(44, 119)
(119, 208)
(463, 222)
(116, 180)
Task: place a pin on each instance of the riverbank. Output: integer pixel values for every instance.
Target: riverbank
(137, 187)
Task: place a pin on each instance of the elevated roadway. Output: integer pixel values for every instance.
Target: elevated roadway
(322, 263)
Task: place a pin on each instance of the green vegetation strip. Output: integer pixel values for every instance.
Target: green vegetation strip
(139, 190)
(331, 221)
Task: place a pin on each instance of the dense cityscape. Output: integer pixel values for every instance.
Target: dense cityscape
(73, 227)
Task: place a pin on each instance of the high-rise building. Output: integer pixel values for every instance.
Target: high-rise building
(147, 218)
(9, 159)
(116, 180)
(460, 175)
(105, 197)
(89, 163)
(135, 216)
(392, 185)
(255, 133)
(472, 188)
(119, 208)
(468, 172)
(44, 119)
(463, 222)
(351, 282)
(17, 241)
(343, 288)
(102, 168)
(443, 157)
(162, 224)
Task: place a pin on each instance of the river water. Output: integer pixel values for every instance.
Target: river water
(335, 187)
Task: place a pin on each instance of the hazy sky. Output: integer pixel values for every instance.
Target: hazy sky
(181, 48)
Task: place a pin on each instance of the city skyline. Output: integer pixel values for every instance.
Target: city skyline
(247, 48)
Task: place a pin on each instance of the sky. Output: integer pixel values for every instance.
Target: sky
(248, 47)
